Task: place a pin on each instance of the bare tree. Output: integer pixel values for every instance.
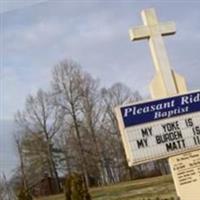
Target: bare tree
(67, 78)
(34, 158)
(116, 95)
(41, 117)
(6, 191)
(22, 169)
(92, 114)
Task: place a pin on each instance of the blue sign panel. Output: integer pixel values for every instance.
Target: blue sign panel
(160, 109)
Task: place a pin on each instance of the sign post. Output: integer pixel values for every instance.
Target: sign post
(164, 127)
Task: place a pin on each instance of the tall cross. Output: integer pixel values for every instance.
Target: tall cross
(153, 31)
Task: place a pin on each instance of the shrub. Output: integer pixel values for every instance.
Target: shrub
(75, 188)
(24, 195)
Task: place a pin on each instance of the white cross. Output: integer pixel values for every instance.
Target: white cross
(153, 31)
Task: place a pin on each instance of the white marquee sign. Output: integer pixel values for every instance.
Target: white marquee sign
(160, 128)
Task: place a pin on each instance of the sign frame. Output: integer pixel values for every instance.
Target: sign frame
(125, 139)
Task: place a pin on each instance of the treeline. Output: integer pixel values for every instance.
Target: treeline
(73, 128)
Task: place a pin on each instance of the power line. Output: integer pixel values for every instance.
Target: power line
(15, 5)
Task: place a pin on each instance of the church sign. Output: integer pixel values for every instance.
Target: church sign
(160, 128)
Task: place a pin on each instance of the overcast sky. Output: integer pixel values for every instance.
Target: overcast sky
(35, 35)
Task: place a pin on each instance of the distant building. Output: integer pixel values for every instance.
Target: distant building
(46, 186)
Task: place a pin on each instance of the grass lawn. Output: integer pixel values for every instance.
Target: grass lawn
(159, 188)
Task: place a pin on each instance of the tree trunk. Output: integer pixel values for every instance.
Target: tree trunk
(24, 181)
(52, 167)
(83, 160)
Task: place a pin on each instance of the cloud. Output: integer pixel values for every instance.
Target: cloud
(32, 37)
(96, 35)
(15, 89)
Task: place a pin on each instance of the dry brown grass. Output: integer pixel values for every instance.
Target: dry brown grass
(151, 188)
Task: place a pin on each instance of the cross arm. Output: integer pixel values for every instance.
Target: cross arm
(139, 33)
(167, 28)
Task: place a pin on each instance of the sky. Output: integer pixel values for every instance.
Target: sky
(36, 35)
